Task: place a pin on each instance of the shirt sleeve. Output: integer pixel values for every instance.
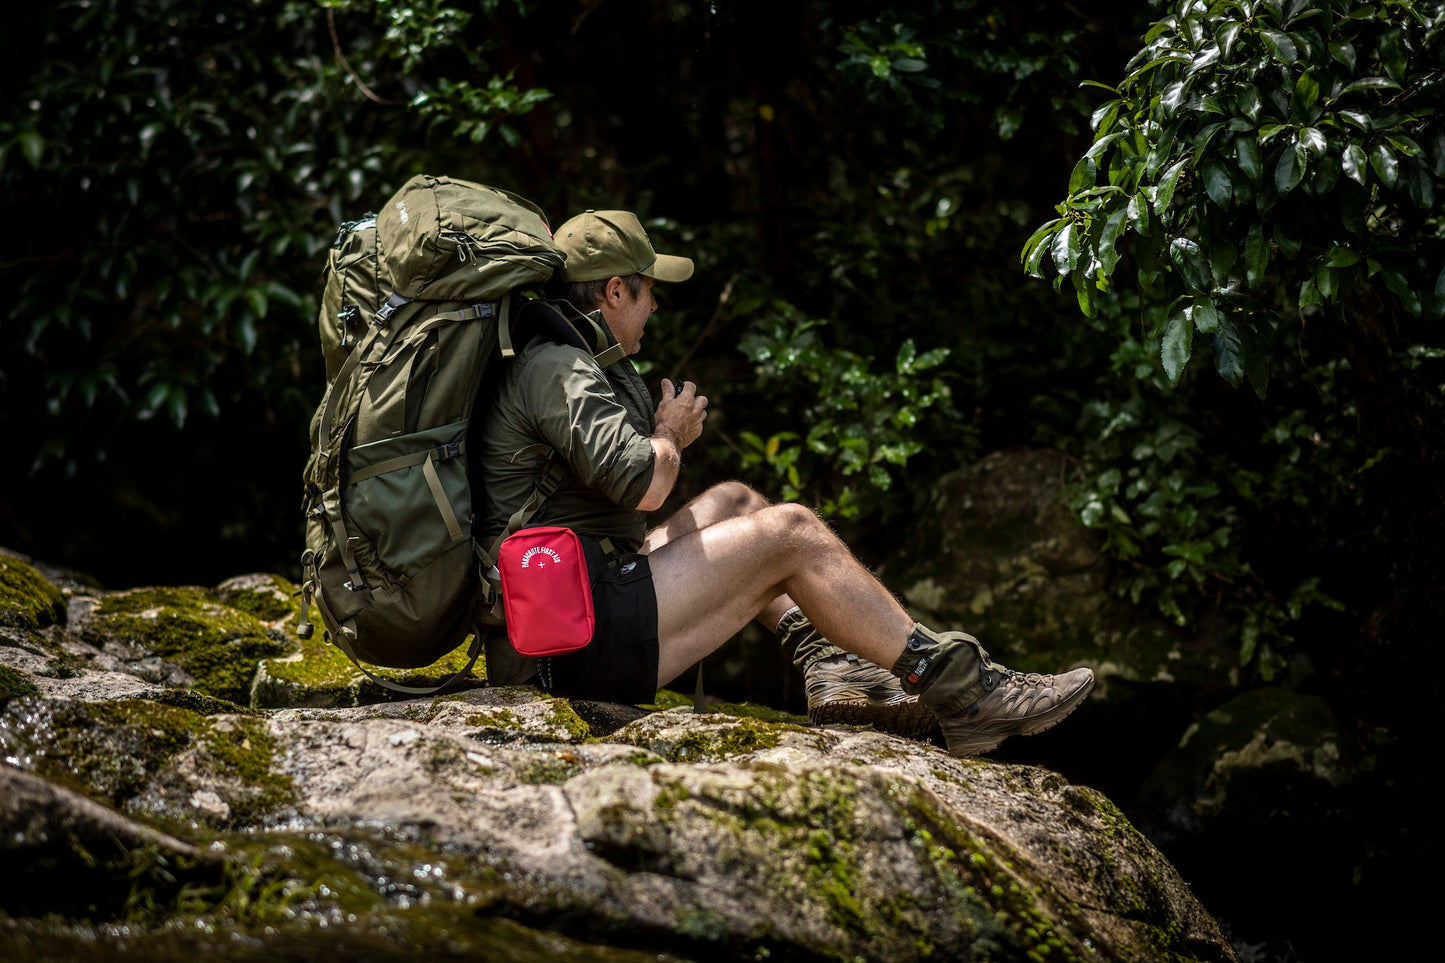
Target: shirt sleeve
(577, 412)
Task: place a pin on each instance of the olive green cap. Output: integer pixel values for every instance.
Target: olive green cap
(608, 244)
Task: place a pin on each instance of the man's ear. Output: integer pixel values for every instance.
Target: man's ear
(614, 288)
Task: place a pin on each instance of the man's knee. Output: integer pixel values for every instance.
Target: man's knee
(795, 527)
(733, 499)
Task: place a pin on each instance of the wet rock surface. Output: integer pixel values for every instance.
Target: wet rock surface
(502, 823)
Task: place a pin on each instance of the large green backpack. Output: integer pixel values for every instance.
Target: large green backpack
(390, 558)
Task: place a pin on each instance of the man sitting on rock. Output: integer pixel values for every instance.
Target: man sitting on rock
(664, 599)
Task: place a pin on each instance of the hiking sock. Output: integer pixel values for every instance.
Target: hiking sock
(948, 671)
(801, 640)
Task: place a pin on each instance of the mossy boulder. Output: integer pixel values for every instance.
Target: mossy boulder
(1270, 784)
(215, 646)
(268, 597)
(318, 674)
(1268, 757)
(999, 554)
(28, 600)
(711, 835)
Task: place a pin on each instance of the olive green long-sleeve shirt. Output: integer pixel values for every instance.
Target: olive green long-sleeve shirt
(555, 397)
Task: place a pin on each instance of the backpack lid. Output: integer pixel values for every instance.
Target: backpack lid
(443, 239)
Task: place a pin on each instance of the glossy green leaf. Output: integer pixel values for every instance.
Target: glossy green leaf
(1344, 52)
(1164, 197)
(1176, 345)
(1217, 183)
(1312, 140)
(1355, 163)
(1306, 92)
(1256, 254)
(1280, 46)
(1205, 315)
(1061, 247)
(1108, 256)
(1368, 83)
(1138, 211)
(1227, 36)
(1246, 150)
(1338, 257)
(1384, 163)
(1036, 247)
(1288, 171)
(1404, 145)
(1186, 254)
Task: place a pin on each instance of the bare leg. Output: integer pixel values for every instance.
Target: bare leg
(714, 580)
(719, 503)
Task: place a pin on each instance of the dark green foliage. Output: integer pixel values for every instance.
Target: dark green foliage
(1271, 170)
(1265, 158)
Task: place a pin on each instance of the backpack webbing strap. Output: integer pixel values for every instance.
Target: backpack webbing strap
(429, 472)
(610, 355)
(474, 652)
(481, 310)
(439, 453)
(331, 504)
(504, 327)
(553, 474)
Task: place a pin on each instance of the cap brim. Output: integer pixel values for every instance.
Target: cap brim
(670, 269)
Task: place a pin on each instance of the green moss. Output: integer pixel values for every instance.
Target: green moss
(715, 744)
(116, 750)
(667, 699)
(272, 601)
(746, 710)
(1006, 915)
(27, 599)
(245, 750)
(217, 645)
(553, 770)
(108, 750)
(495, 719)
(12, 683)
(703, 925)
(561, 716)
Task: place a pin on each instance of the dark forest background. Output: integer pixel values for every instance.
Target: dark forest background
(1239, 204)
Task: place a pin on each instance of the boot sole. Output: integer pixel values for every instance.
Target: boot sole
(908, 717)
(984, 742)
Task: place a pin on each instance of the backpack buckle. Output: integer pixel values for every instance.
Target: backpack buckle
(452, 449)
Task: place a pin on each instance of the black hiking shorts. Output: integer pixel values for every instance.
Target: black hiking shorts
(620, 664)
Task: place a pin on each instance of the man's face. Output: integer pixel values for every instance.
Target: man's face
(627, 315)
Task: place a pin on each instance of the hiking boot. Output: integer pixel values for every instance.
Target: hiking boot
(846, 689)
(1020, 704)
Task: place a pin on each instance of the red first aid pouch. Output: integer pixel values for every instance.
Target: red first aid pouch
(546, 592)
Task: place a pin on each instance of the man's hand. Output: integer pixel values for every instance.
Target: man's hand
(681, 413)
(679, 420)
